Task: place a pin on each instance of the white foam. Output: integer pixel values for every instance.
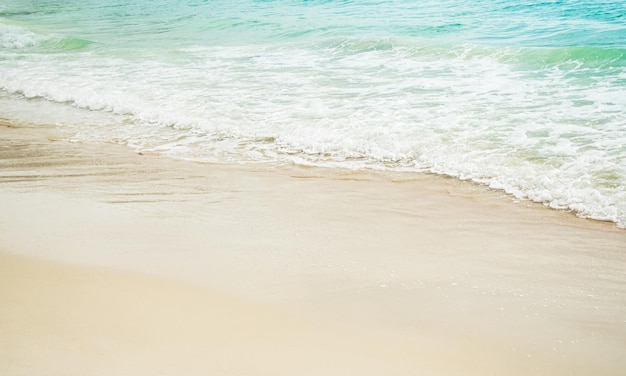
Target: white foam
(460, 112)
(15, 37)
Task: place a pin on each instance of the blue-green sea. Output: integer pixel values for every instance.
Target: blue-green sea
(524, 96)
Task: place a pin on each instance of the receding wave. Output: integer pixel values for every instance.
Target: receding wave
(494, 95)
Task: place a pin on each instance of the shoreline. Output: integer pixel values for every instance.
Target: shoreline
(447, 272)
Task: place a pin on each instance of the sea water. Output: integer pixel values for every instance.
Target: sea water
(524, 96)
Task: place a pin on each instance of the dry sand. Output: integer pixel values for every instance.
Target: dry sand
(113, 263)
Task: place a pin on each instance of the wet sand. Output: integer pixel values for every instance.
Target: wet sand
(118, 263)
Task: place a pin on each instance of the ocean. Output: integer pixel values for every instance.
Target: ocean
(528, 97)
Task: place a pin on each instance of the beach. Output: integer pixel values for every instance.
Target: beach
(312, 188)
(119, 262)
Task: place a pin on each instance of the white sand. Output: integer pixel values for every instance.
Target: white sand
(190, 268)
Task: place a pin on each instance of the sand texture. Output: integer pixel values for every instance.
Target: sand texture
(115, 263)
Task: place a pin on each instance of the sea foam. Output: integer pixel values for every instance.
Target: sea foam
(536, 109)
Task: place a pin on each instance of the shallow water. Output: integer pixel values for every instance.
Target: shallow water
(529, 98)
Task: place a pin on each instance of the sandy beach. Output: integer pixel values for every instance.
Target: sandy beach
(119, 263)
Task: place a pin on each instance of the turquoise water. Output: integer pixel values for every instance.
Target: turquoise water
(528, 97)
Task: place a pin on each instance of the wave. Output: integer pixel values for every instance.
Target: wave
(607, 60)
(14, 37)
(65, 44)
(544, 123)
(586, 57)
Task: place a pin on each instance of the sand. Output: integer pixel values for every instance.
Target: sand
(113, 262)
